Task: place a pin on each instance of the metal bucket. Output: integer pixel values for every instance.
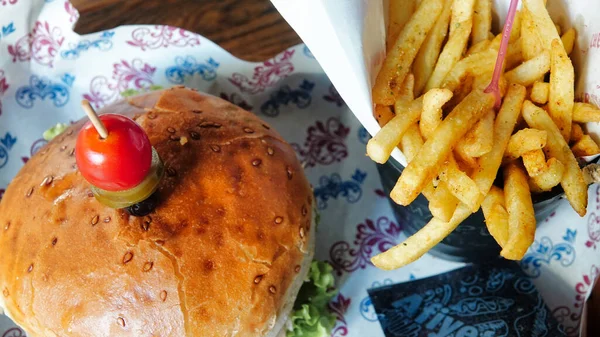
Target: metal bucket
(470, 241)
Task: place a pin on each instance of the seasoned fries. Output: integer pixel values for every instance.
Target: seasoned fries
(381, 146)
(496, 216)
(461, 24)
(539, 92)
(457, 143)
(437, 148)
(572, 180)
(585, 113)
(482, 20)
(400, 13)
(568, 40)
(530, 71)
(562, 89)
(402, 54)
(521, 218)
(524, 141)
(478, 142)
(586, 146)
(429, 53)
(433, 101)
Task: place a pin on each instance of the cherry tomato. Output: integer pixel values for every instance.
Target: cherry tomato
(119, 162)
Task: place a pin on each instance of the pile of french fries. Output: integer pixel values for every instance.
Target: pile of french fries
(431, 101)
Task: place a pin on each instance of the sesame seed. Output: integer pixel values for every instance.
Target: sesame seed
(297, 269)
(54, 241)
(256, 162)
(215, 148)
(257, 279)
(248, 130)
(5, 292)
(62, 148)
(121, 321)
(47, 181)
(95, 220)
(194, 135)
(270, 151)
(30, 269)
(290, 174)
(163, 295)
(148, 266)
(302, 232)
(107, 219)
(272, 289)
(174, 138)
(171, 130)
(29, 192)
(278, 220)
(196, 111)
(171, 172)
(127, 257)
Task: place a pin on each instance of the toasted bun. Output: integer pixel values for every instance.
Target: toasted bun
(223, 254)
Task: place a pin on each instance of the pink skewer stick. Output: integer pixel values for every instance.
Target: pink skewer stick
(494, 87)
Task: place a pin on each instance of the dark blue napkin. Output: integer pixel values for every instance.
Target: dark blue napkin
(495, 300)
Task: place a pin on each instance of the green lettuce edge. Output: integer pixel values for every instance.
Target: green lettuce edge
(133, 92)
(311, 316)
(54, 131)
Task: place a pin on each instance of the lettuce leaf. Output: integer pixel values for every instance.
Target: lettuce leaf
(133, 92)
(54, 131)
(311, 316)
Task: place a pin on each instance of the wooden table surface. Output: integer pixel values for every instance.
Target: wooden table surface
(251, 30)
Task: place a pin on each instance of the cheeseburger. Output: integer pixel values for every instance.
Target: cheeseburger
(188, 217)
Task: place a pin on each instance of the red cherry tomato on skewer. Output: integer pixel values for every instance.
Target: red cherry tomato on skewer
(119, 162)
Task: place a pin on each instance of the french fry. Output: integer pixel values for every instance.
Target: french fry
(461, 23)
(496, 216)
(530, 71)
(418, 244)
(478, 142)
(530, 40)
(515, 33)
(460, 185)
(534, 162)
(407, 90)
(401, 56)
(503, 129)
(478, 63)
(524, 141)
(430, 50)
(572, 180)
(482, 21)
(514, 56)
(436, 230)
(433, 101)
(561, 95)
(576, 133)
(542, 22)
(443, 203)
(462, 11)
(383, 114)
(549, 178)
(568, 40)
(479, 47)
(381, 146)
(437, 148)
(521, 218)
(411, 142)
(586, 113)
(586, 146)
(539, 92)
(400, 12)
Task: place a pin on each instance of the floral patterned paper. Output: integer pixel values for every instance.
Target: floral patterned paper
(46, 69)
